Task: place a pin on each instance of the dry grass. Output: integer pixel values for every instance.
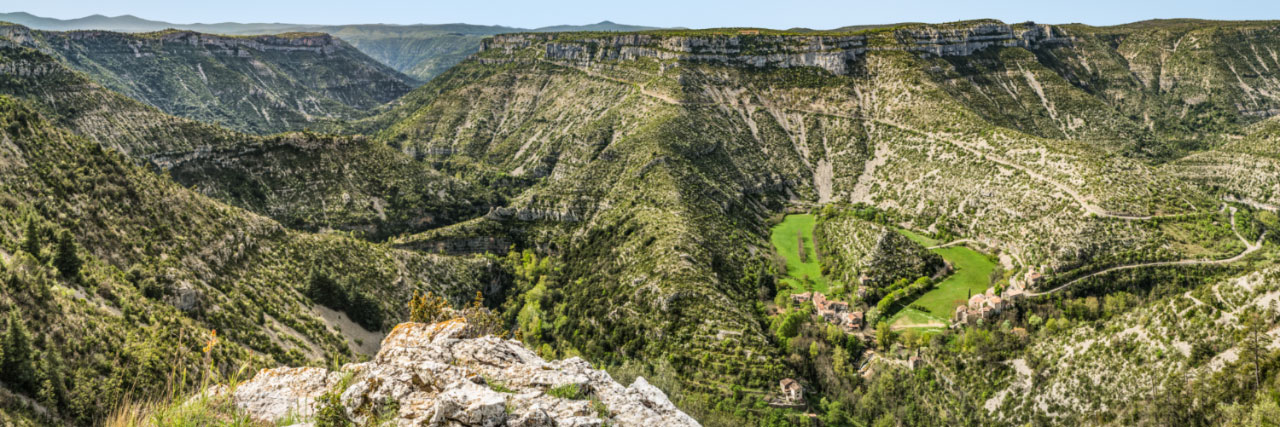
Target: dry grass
(212, 405)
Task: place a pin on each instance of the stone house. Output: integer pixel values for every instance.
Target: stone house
(1014, 293)
(854, 319)
(802, 298)
(792, 391)
(837, 313)
(961, 315)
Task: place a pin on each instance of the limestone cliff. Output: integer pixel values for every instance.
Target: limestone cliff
(438, 374)
(832, 52)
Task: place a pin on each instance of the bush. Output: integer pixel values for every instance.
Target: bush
(331, 412)
(428, 308)
(567, 391)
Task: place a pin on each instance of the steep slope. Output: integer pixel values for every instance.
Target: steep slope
(421, 51)
(312, 182)
(860, 251)
(655, 158)
(1241, 168)
(1141, 365)
(1181, 80)
(120, 297)
(303, 180)
(258, 84)
(73, 101)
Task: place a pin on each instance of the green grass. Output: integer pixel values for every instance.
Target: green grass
(919, 238)
(785, 242)
(972, 275)
(567, 391)
(911, 318)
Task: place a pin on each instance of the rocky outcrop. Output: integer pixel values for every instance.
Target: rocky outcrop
(436, 374)
(965, 40)
(531, 214)
(319, 43)
(833, 53)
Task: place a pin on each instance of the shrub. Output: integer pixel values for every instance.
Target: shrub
(331, 412)
(567, 391)
(428, 308)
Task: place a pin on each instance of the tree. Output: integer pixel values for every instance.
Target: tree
(1035, 321)
(789, 326)
(18, 367)
(66, 259)
(31, 240)
(52, 390)
(1254, 328)
(884, 335)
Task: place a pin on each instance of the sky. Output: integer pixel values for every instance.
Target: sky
(817, 14)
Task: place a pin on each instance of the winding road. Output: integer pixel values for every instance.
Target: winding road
(1249, 248)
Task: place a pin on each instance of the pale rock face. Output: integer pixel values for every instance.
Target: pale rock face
(274, 393)
(833, 53)
(438, 376)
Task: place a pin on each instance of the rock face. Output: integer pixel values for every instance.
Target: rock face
(833, 53)
(437, 375)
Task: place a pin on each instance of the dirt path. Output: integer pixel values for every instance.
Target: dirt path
(1249, 248)
(1253, 204)
(1197, 303)
(953, 243)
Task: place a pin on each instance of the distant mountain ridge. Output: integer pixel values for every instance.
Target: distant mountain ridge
(258, 84)
(422, 51)
(130, 23)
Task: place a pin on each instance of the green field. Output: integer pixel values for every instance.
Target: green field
(972, 274)
(786, 243)
(918, 238)
(909, 317)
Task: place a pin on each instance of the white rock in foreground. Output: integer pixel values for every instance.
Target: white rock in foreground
(440, 378)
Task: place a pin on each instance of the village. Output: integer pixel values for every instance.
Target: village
(989, 304)
(833, 312)
(982, 306)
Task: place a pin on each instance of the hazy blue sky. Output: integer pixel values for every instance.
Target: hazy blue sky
(666, 13)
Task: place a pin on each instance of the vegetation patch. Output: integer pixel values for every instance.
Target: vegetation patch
(971, 275)
(793, 239)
